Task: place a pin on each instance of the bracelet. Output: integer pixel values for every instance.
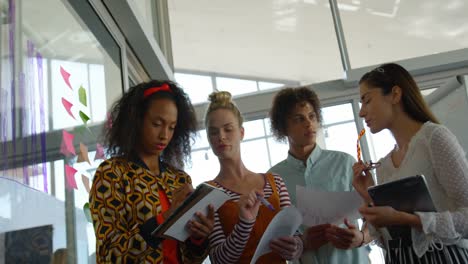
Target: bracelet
(362, 242)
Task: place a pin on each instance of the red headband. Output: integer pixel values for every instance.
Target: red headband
(164, 87)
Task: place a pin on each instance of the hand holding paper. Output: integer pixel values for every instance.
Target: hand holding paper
(315, 236)
(201, 226)
(288, 247)
(285, 223)
(345, 238)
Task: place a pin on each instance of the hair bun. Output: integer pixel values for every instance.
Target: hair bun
(222, 98)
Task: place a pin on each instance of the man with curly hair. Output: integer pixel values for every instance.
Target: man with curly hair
(296, 116)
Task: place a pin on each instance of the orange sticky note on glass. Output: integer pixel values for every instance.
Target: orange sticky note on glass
(99, 152)
(68, 107)
(83, 156)
(85, 181)
(67, 148)
(70, 177)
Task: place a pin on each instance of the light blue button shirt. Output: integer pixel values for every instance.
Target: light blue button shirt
(326, 170)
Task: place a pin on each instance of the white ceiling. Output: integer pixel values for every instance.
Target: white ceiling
(273, 39)
(295, 40)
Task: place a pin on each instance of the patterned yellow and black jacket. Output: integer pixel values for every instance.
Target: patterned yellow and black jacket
(124, 202)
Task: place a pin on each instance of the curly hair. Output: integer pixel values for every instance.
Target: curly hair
(123, 133)
(223, 100)
(284, 103)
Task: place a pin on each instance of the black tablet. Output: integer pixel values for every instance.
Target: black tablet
(409, 194)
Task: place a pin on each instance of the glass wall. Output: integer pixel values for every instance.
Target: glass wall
(339, 128)
(198, 86)
(58, 78)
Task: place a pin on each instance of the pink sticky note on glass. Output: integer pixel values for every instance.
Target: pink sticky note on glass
(68, 107)
(85, 181)
(99, 152)
(70, 176)
(65, 76)
(83, 156)
(67, 148)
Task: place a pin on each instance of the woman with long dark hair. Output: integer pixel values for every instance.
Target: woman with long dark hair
(392, 100)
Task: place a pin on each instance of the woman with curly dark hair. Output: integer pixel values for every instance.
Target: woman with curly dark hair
(148, 138)
(296, 116)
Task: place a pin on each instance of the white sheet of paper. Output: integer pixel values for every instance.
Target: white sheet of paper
(179, 231)
(285, 223)
(320, 207)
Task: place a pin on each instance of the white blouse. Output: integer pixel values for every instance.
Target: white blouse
(435, 153)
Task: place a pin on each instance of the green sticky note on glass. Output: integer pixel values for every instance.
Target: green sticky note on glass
(84, 117)
(87, 212)
(82, 96)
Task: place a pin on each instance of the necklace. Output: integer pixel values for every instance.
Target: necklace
(402, 149)
(399, 154)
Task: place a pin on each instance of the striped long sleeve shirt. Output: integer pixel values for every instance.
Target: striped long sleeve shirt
(227, 249)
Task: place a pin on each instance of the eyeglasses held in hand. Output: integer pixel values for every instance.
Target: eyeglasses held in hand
(369, 165)
(363, 131)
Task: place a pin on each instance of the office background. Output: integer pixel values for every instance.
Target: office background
(64, 62)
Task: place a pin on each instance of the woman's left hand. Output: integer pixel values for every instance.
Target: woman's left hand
(201, 227)
(288, 247)
(381, 216)
(344, 238)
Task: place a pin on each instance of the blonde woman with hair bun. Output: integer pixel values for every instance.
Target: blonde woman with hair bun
(223, 99)
(241, 221)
